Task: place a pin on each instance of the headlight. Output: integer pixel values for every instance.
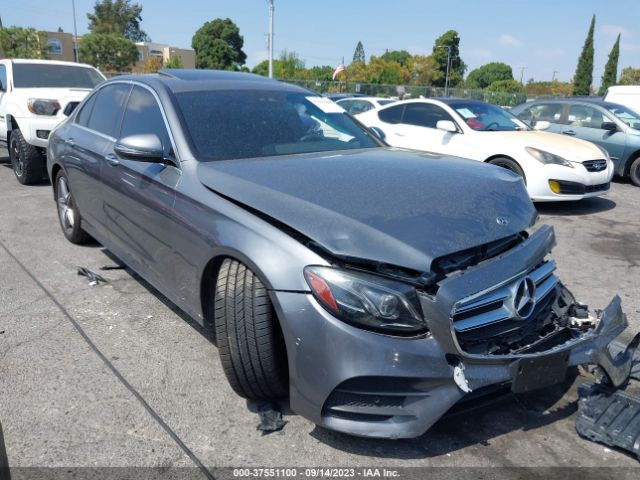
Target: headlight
(42, 106)
(548, 158)
(604, 152)
(367, 301)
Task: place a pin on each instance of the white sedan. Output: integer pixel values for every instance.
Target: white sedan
(358, 105)
(554, 167)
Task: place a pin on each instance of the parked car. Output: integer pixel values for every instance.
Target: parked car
(339, 96)
(627, 95)
(612, 126)
(553, 167)
(363, 104)
(35, 95)
(376, 287)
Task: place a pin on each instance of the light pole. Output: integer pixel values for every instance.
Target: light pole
(446, 78)
(75, 32)
(522, 69)
(271, 9)
(553, 77)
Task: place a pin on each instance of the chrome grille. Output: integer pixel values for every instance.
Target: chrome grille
(595, 165)
(499, 304)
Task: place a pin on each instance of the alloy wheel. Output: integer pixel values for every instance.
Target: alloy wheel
(65, 204)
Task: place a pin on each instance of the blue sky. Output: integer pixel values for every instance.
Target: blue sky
(543, 35)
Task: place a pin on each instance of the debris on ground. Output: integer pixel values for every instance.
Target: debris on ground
(113, 267)
(270, 418)
(94, 278)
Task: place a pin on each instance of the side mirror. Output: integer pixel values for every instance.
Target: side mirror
(541, 125)
(378, 132)
(447, 126)
(143, 148)
(610, 126)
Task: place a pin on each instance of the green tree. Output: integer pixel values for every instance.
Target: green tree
(289, 66)
(387, 72)
(440, 51)
(611, 68)
(119, 17)
(358, 54)
(400, 56)
(218, 45)
(322, 74)
(584, 72)
(174, 61)
(487, 74)
(630, 76)
(262, 68)
(108, 52)
(18, 42)
(423, 70)
(554, 88)
(508, 86)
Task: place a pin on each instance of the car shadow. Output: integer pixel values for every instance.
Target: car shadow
(478, 426)
(587, 206)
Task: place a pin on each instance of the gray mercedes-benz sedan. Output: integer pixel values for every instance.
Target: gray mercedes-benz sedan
(376, 287)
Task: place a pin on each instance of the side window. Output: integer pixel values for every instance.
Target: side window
(143, 116)
(82, 118)
(544, 112)
(424, 115)
(107, 109)
(347, 105)
(3, 78)
(391, 114)
(586, 116)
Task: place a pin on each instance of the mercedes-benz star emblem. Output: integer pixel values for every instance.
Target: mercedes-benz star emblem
(502, 221)
(524, 298)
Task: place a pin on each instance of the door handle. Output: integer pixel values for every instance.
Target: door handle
(569, 132)
(112, 160)
(70, 142)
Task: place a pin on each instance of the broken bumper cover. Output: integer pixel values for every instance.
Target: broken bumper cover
(371, 385)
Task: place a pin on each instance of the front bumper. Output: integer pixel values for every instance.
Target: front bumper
(29, 127)
(367, 384)
(580, 182)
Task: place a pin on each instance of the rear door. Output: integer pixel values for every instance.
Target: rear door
(138, 196)
(85, 141)
(418, 129)
(585, 122)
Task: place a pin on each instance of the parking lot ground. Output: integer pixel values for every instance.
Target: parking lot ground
(114, 375)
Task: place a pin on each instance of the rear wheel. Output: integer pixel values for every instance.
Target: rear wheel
(634, 172)
(250, 343)
(27, 161)
(70, 219)
(509, 164)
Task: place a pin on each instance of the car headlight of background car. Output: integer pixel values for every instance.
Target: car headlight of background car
(367, 301)
(548, 158)
(43, 106)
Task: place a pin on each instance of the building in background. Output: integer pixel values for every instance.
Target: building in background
(61, 48)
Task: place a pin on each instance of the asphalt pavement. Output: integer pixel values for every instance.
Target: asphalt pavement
(114, 375)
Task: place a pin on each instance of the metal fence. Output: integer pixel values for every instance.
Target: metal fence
(410, 91)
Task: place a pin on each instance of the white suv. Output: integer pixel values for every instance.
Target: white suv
(36, 95)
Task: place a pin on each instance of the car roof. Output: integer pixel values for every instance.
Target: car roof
(457, 101)
(192, 80)
(363, 98)
(599, 101)
(49, 62)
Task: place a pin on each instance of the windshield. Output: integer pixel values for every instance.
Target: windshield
(385, 102)
(628, 116)
(41, 75)
(485, 117)
(229, 124)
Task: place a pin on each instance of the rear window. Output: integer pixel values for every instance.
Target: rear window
(230, 124)
(41, 75)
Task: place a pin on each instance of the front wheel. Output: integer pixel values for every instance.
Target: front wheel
(250, 343)
(634, 172)
(70, 219)
(509, 164)
(27, 161)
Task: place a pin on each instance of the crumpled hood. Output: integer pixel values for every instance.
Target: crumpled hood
(570, 148)
(384, 205)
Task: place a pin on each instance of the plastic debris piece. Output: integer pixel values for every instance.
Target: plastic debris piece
(270, 418)
(609, 416)
(113, 267)
(94, 278)
(460, 379)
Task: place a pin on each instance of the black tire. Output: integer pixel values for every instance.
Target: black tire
(27, 161)
(509, 164)
(68, 214)
(634, 172)
(250, 343)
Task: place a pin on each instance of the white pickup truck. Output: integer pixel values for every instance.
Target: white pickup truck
(36, 95)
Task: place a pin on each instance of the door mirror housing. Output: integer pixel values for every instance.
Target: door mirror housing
(378, 132)
(142, 148)
(610, 126)
(447, 126)
(541, 125)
